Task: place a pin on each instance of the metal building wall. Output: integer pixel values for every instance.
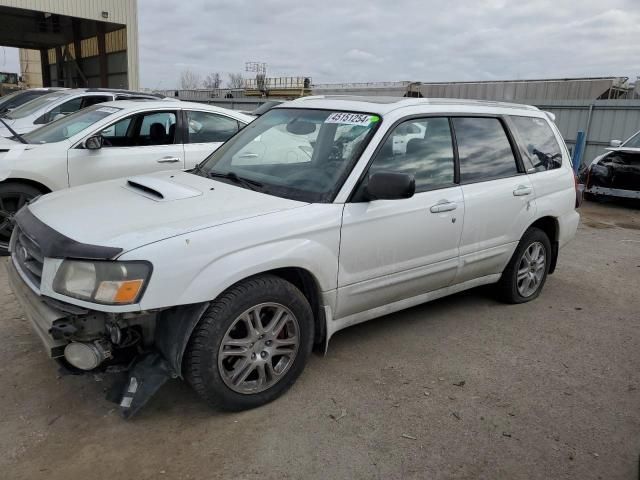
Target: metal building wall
(521, 91)
(601, 120)
(124, 12)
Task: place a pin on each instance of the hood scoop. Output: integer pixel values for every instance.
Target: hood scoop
(160, 189)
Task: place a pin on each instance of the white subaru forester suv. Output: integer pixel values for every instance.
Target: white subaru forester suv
(227, 275)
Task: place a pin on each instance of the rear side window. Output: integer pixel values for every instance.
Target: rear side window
(538, 145)
(484, 149)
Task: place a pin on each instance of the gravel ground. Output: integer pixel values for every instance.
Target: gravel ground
(463, 387)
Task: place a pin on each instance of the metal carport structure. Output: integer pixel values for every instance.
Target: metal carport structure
(82, 43)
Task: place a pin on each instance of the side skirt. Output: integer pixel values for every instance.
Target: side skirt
(335, 325)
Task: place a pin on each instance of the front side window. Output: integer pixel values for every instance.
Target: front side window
(538, 145)
(68, 126)
(142, 129)
(205, 127)
(302, 154)
(483, 149)
(118, 134)
(157, 128)
(422, 148)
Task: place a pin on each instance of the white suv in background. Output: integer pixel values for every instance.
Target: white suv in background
(227, 275)
(53, 106)
(110, 140)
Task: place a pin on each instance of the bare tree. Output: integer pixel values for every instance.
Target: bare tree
(212, 81)
(235, 80)
(189, 80)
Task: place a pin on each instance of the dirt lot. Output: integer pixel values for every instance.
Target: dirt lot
(551, 390)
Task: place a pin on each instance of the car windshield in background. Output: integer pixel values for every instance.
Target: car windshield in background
(35, 105)
(301, 154)
(633, 142)
(16, 99)
(68, 126)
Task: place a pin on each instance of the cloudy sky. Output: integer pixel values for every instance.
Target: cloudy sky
(377, 40)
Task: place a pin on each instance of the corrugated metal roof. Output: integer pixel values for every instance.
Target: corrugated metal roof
(120, 11)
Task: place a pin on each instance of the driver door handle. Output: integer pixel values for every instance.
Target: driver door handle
(249, 155)
(522, 190)
(169, 160)
(443, 206)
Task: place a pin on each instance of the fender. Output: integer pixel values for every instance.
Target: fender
(204, 263)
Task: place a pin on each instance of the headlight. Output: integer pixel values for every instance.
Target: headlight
(111, 283)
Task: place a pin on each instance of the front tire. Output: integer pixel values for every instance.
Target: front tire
(13, 196)
(526, 273)
(250, 345)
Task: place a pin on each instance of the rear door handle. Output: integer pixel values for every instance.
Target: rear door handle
(249, 155)
(443, 206)
(522, 190)
(169, 160)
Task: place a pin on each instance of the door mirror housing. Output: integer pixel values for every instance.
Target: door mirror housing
(94, 142)
(615, 143)
(390, 186)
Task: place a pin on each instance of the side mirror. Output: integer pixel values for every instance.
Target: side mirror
(615, 143)
(390, 186)
(94, 143)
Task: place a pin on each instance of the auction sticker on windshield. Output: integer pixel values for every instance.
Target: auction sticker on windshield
(346, 118)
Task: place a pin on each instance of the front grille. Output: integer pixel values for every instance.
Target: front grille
(27, 256)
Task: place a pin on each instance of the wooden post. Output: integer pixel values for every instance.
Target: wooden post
(44, 66)
(59, 68)
(77, 50)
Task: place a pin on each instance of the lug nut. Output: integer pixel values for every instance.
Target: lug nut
(268, 343)
(253, 356)
(263, 354)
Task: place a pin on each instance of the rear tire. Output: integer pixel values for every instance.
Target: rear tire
(13, 196)
(250, 345)
(526, 273)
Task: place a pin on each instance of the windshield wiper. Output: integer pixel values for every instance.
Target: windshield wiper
(250, 184)
(13, 132)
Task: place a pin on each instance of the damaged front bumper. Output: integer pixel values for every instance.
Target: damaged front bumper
(41, 315)
(615, 174)
(139, 367)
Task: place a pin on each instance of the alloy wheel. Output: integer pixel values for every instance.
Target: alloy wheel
(259, 348)
(531, 269)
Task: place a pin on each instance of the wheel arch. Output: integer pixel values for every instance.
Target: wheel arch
(551, 227)
(27, 181)
(175, 325)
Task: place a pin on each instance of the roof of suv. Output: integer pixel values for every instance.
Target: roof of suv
(383, 105)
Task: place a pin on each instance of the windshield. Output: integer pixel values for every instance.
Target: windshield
(35, 105)
(633, 142)
(68, 126)
(301, 154)
(15, 99)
